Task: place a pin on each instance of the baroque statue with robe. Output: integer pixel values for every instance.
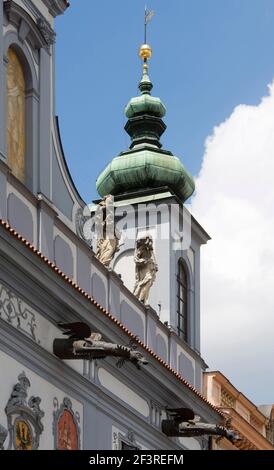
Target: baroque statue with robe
(145, 268)
(106, 233)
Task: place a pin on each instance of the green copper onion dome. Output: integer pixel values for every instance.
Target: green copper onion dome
(145, 165)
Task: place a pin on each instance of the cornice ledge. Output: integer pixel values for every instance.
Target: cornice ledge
(56, 7)
(38, 31)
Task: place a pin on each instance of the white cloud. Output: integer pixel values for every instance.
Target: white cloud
(235, 204)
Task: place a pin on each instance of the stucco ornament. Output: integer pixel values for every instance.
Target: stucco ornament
(45, 29)
(84, 344)
(145, 268)
(24, 417)
(107, 234)
(17, 313)
(83, 224)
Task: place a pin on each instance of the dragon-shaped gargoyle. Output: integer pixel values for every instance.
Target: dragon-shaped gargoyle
(183, 422)
(83, 344)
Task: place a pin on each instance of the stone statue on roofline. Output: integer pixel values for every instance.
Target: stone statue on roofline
(107, 234)
(145, 267)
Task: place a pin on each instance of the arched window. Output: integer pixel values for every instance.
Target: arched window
(16, 122)
(182, 309)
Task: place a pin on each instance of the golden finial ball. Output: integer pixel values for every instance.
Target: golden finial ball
(145, 51)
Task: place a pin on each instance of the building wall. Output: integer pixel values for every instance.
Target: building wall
(125, 399)
(169, 248)
(244, 417)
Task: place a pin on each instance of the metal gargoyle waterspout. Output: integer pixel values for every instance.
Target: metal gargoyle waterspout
(82, 343)
(182, 422)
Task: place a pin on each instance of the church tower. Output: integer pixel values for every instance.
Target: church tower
(150, 186)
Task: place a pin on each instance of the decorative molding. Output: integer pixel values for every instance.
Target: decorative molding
(39, 33)
(124, 393)
(32, 8)
(46, 30)
(125, 441)
(83, 224)
(46, 205)
(42, 23)
(56, 7)
(58, 414)
(24, 417)
(23, 30)
(14, 311)
(155, 414)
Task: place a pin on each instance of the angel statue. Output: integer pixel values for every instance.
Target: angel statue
(107, 234)
(145, 268)
(83, 344)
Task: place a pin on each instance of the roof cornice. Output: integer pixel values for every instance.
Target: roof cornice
(56, 7)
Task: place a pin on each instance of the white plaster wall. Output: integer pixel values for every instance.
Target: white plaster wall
(190, 443)
(29, 205)
(57, 232)
(124, 265)
(161, 333)
(123, 392)
(191, 257)
(183, 351)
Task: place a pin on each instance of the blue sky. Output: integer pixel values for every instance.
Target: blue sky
(208, 56)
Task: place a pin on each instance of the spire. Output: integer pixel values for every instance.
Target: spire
(145, 112)
(145, 85)
(145, 164)
(145, 52)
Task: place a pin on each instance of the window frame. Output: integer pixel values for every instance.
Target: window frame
(182, 301)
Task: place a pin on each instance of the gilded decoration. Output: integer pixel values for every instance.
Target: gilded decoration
(16, 139)
(23, 435)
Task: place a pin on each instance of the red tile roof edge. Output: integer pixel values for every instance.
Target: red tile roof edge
(73, 284)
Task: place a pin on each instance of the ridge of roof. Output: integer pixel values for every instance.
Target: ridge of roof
(73, 284)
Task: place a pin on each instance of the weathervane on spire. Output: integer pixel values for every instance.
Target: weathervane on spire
(148, 16)
(145, 51)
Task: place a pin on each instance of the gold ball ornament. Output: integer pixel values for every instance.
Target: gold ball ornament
(145, 52)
